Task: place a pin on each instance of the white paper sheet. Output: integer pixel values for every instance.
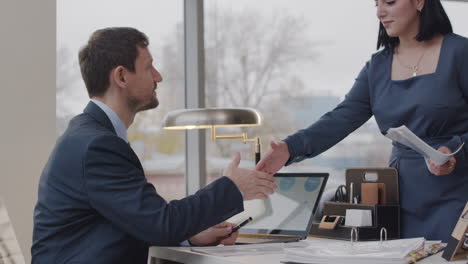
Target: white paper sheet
(333, 251)
(248, 250)
(404, 136)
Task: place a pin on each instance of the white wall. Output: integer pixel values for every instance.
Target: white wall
(27, 106)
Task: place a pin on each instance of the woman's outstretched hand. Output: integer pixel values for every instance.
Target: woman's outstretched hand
(275, 158)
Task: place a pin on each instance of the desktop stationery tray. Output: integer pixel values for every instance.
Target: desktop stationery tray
(386, 215)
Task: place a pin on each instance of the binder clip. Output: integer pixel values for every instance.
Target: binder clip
(383, 231)
(356, 237)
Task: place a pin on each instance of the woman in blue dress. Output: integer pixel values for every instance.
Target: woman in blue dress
(419, 79)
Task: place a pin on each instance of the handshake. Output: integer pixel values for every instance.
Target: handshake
(253, 184)
(259, 183)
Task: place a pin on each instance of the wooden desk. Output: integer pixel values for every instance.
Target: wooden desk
(172, 255)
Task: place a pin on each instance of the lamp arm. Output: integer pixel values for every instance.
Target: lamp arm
(243, 136)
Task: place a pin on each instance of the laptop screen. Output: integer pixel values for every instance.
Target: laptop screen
(289, 210)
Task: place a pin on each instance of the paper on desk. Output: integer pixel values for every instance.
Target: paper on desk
(404, 136)
(248, 250)
(326, 251)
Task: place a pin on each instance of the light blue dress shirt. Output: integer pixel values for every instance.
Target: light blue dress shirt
(117, 123)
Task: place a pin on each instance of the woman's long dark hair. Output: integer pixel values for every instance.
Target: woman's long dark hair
(433, 21)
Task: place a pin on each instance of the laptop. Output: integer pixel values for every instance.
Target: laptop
(287, 214)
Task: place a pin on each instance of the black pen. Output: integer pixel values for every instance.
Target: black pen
(236, 228)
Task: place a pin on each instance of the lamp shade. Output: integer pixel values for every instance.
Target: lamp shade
(208, 117)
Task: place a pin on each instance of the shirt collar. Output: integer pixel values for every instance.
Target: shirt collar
(117, 123)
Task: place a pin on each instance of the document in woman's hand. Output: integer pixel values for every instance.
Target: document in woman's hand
(404, 136)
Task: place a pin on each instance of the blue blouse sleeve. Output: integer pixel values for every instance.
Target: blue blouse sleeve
(335, 125)
(463, 83)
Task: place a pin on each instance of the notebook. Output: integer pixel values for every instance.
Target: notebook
(287, 214)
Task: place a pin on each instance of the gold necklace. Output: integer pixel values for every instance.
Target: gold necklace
(414, 68)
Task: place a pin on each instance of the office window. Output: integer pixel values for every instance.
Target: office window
(161, 152)
(456, 11)
(294, 61)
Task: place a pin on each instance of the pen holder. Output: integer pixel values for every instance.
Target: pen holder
(373, 193)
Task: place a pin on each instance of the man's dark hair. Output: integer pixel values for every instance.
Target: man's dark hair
(106, 49)
(433, 21)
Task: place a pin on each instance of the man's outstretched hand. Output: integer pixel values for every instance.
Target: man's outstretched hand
(253, 184)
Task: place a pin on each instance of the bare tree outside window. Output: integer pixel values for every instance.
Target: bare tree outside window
(250, 62)
(251, 58)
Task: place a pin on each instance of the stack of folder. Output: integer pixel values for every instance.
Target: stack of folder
(333, 251)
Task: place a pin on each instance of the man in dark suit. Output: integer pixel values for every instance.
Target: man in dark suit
(94, 203)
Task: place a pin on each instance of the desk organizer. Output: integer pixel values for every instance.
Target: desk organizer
(383, 215)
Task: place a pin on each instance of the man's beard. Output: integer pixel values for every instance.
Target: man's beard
(152, 104)
(133, 104)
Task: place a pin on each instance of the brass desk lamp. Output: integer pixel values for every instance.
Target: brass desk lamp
(212, 118)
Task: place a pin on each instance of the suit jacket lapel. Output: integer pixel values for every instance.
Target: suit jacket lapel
(135, 158)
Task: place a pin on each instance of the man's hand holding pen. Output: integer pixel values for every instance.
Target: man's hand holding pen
(220, 234)
(236, 228)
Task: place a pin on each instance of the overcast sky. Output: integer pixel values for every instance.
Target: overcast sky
(348, 26)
